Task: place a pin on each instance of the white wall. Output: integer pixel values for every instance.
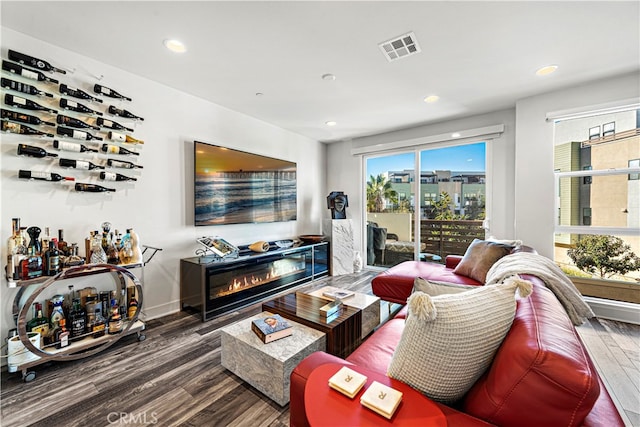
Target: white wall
(160, 204)
(534, 215)
(345, 170)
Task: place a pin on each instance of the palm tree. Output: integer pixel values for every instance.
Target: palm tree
(379, 191)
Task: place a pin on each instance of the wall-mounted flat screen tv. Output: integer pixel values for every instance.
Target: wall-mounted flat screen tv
(235, 187)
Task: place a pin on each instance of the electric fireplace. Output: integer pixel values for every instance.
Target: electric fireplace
(216, 287)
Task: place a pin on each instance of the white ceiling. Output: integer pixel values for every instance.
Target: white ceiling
(477, 56)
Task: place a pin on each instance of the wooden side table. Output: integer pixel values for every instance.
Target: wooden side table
(327, 407)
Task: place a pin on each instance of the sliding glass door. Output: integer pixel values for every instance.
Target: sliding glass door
(390, 208)
(424, 204)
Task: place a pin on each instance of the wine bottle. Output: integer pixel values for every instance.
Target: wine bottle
(110, 176)
(120, 137)
(111, 124)
(77, 134)
(32, 151)
(23, 58)
(23, 87)
(123, 113)
(26, 72)
(74, 106)
(77, 93)
(92, 188)
(78, 164)
(43, 176)
(74, 123)
(24, 118)
(22, 129)
(113, 163)
(72, 146)
(114, 149)
(20, 102)
(103, 90)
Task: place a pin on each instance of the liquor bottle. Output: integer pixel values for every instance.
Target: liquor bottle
(22, 129)
(38, 323)
(24, 118)
(74, 123)
(61, 335)
(120, 137)
(98, 255)
(26, 72)
(123, 113)
(78, 164)
(75, 106)
(62, 245)
(115, 320)
(113, 163)
(133, 307)
(111, 124)
(23, 87)
(35, 246)
(57, 313)
(16, 250)
(77, 320)
(126, 252)
(44, 242)
(32, 151)
(103, 90)
(98, 328)
(52, 259)
(135, 246)
(23, 58)
(114, 149)
(20, 102)
(72, 146)
(43, 176)
(73, 259)
(93, 188)
(111, 176)
(77, 93)
(112, 251)
(30, 267)
(77, 134)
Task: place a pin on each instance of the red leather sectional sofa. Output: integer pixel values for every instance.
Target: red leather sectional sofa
(541, 375)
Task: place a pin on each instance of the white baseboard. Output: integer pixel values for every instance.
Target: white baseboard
(161, 310)
(615, 310)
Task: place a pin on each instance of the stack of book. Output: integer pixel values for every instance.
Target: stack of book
(331, 309)
(347, 381)
(336, 293)
(271, 328)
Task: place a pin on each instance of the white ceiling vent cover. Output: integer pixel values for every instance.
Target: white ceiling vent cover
(400, 47)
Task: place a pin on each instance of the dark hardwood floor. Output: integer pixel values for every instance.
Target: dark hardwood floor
(174, 377)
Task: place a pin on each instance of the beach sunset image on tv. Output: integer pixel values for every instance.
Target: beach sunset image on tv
(234, 187)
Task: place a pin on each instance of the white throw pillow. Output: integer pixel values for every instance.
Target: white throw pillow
(450, 340)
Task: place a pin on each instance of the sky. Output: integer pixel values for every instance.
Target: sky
(470, 157)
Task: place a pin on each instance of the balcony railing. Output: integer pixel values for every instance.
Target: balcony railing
(449, 237)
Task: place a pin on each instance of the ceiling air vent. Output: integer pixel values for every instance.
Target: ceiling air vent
(400, 47)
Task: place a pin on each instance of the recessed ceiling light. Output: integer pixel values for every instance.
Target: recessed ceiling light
(455, 135)
(328, 77)
(330, 123)
(175, 45)
(259, 93)
(546, 70)
(431, 98)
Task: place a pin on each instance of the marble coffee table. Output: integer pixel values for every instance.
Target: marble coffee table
(267, 367)
(368, 304)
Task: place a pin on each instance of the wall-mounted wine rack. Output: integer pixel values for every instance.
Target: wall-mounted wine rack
(80, 134)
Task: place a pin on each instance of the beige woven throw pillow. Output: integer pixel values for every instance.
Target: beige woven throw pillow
(450, 340)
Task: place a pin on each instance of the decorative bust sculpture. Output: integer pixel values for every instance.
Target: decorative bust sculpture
(337, 201)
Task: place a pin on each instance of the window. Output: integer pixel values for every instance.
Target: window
(608, 129)
(598, 195)
(587, 179)
(635, 163)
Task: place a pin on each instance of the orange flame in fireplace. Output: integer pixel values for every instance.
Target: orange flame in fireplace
(277, 271)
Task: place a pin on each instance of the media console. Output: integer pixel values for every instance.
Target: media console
(213, 287)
